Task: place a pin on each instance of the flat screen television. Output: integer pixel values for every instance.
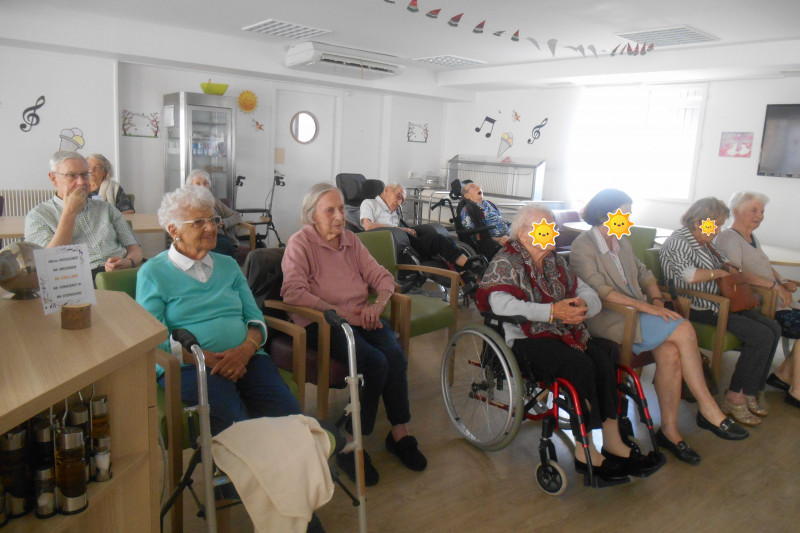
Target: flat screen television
(780, 144)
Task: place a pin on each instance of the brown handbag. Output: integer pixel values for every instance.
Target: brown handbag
(735, 288)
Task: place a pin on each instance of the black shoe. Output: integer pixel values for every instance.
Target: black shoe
(347, 462)
(406, 450)
(727, 429)
(606, 475)
(637, 464)
(681, 450)
(314, 525)
(778, 383)
(791, 400)
(476, 264)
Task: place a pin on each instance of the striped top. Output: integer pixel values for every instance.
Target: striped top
(681, 256)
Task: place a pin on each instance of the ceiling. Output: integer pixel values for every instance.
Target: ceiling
(748, 34)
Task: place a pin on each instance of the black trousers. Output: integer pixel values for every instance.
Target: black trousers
(592, 373)
(428, 242)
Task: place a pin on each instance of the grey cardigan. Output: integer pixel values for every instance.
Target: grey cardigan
(600, 273)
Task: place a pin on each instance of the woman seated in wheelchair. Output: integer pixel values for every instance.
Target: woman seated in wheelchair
(325, 267)
(190, 287)
(527, 278)
(607, 264)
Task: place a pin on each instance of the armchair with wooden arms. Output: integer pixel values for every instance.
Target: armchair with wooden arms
(715, 339)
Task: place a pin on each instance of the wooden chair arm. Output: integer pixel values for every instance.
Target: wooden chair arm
(455, 279)
(400, 315)
(251, 229)
(631, 317)
(298, 335)
(173, 411)
(769, 300)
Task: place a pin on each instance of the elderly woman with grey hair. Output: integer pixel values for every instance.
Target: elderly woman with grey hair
(193, 288)
(741, 247)
(325, 267)
(227, 240)
(691, 261)
(527, 278)
(101, 184)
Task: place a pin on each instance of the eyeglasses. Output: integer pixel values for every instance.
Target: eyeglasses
(72, 176)
(201, 223)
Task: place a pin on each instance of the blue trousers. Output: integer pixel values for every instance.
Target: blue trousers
(383, 364)
(260, 392)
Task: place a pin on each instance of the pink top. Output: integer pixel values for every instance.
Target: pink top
(313, 270)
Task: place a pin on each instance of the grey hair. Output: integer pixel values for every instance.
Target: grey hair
(741, 197)
(312, 197)
(198, 172)
(189, 196)
(394, 186)
(525, 216)
(103, 161)
(64, 155)
(467, 186)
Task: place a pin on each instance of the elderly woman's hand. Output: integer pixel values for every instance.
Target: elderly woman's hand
(371, 315)
(570, 310)
(232, 364)
(789, 285)
(660, 310)
(784, 295)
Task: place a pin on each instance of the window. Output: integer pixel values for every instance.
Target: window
(642, 140)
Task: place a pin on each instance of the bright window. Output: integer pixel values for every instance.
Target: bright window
(642, 140)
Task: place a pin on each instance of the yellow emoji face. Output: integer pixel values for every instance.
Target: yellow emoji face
(543, 234)
(618, 224)
(708, 227)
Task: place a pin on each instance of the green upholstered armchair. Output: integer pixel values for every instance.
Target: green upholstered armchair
(424, 313)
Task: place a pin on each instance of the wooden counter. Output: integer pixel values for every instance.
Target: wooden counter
(41, 364)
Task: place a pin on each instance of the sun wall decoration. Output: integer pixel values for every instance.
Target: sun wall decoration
(621, 49)
(248, 102)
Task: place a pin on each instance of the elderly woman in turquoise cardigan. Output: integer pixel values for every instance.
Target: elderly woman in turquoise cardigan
(192, 288)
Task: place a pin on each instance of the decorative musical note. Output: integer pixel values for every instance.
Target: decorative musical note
(30, 117)
(490, 121)
(536, 131)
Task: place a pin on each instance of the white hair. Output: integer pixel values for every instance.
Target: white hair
(187, 197)
(394, 186)
(103, 161)
(198, 173)
(64, 155)
(741, 197)
(312, 197)
(526, 215)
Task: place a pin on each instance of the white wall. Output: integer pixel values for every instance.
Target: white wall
(79, 93)
(361, 134)
(405, 157)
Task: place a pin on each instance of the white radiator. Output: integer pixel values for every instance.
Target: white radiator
(19, 201)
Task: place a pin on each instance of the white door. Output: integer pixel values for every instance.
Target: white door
(304, 164)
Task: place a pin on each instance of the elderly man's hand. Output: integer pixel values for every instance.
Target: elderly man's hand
(410, 231)
(74, 201)
(118, 263)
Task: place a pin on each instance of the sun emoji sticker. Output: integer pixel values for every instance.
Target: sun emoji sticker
(618, 224)
(708, 227)
(247, 101)
(543, 234)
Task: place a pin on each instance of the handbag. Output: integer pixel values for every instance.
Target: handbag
(735, 288)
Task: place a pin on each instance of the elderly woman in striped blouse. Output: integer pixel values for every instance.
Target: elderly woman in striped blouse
(689, 259)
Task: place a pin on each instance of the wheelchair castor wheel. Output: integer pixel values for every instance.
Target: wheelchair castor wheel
(551, 478)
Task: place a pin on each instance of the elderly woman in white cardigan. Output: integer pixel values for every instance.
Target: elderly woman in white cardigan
(101, 184)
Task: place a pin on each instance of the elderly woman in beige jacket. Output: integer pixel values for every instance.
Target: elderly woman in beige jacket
(607, 264)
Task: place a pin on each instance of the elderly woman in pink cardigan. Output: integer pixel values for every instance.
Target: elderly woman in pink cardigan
(325, 267)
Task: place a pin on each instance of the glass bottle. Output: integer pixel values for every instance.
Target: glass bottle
(44, 483)
(102, 457)
(100, 425)
(3, 518)
(78, 417)
(15, 473)
(71, 471)
(43, 450)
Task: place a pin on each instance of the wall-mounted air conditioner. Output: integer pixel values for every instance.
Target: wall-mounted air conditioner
(338, 61)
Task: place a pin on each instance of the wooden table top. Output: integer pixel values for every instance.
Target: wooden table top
(14, 227)
(41, 364)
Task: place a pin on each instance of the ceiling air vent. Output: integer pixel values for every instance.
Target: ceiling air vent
(450, 61)
(674, 36)
(278, 28)
(339, 61)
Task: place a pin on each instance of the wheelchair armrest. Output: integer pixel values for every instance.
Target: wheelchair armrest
(298, 335)
(475, 230)
(513, 319)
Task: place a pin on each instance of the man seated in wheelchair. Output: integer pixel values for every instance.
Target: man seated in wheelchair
(477, 211)
(384, 212)
(527, 278)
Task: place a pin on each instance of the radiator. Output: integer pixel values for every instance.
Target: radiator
(19, 201)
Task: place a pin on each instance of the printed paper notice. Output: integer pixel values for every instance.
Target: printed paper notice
(65, 276)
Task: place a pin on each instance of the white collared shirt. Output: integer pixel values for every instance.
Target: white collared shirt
(200, 270)
(378, 212)
(613, 251)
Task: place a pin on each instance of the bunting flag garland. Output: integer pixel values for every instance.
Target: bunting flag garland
(630, 50)
(593, 50)
(578, 48)
(534, 42)
(499, 33)
(614, 51)
(515, 37)
(412, 6)
(479, 27)
(433, 13)
(455, 20)
(551, 44)
(644, 48)
(389, 1)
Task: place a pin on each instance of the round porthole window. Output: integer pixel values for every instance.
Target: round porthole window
(304, 127)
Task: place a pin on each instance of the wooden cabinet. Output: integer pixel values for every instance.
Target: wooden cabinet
(41, 364)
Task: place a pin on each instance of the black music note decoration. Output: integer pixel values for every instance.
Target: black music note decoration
(536, 131)
(490, 121)
(30, 117)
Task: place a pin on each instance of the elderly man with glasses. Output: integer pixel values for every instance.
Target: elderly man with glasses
(70, 217)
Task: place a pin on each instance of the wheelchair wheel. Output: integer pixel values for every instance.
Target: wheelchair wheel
(551, 478)
(482, 387)
(465, 248)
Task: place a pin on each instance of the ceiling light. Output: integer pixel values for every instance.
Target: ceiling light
(279, 28)
(450, 61)
(673, 36)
